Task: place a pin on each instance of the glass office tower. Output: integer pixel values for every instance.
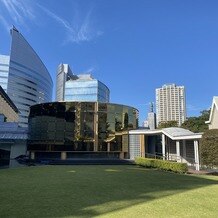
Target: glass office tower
(80, 130)
(86, 88)
(4, 70)
(64, 74)
(27, 82)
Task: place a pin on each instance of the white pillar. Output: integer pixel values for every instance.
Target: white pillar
(197, 166)
(178, 157)
(163, 147)
(108, 147)
(32, 155)
(63, 155)
(184, 148)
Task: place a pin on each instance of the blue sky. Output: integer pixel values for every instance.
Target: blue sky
(133, 46)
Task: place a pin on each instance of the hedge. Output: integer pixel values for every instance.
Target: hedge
(209, 148)
(162, 164)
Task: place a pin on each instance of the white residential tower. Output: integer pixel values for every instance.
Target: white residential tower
(170, 103)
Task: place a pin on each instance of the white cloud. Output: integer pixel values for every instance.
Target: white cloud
(75, 33)
(80, 30)
(18, 10)
(89, 70)
(4, 22)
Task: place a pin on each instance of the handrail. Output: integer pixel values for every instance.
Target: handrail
(169, 157)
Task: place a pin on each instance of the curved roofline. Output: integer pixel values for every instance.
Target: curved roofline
(85, 102)
(104, 85)
(15, 29)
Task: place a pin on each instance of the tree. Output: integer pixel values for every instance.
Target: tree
(197, 124)
(166, 124)
(209, 148)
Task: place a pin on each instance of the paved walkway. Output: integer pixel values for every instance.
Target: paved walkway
(203, 172)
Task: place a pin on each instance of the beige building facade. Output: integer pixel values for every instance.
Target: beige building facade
(7, 107)
(213, 120)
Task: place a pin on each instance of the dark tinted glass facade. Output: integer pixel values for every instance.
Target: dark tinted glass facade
(80, 129)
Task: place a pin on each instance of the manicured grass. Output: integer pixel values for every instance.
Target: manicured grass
(105, 191)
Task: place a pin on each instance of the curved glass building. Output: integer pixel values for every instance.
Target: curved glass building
(28, 81)
(80, 129)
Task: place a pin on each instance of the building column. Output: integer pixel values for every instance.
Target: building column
(108, 147)
(121, 155)
(196, 151)
(178, 156)
(163, 147)
(184, 148)
(142, 145)
(96, 127)
(32, 155)
(63, 155)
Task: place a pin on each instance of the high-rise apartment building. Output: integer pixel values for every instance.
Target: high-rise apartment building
(171, 104)
(83, 87)
(24, 77)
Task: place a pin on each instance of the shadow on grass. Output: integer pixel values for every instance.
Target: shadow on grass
(86, 191)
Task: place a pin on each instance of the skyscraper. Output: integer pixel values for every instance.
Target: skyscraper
(170, 103)
(24, 77)
(4, 70)
(64, 73)
(82, 87)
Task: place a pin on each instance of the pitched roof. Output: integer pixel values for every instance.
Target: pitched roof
(213, 107)
(175, 133)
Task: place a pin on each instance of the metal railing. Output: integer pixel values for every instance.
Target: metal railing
(171, 157)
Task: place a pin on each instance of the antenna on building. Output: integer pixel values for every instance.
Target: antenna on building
(152, 107)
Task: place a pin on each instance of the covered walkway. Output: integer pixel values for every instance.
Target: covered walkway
(176, 144)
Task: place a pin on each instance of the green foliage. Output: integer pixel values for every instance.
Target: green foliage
(166, 124)
(209, 148)
(197, 124)
(162, 164)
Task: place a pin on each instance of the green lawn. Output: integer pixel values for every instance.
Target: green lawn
(105, 191)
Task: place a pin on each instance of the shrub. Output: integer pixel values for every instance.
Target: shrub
(209, 148)
(162, 164)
